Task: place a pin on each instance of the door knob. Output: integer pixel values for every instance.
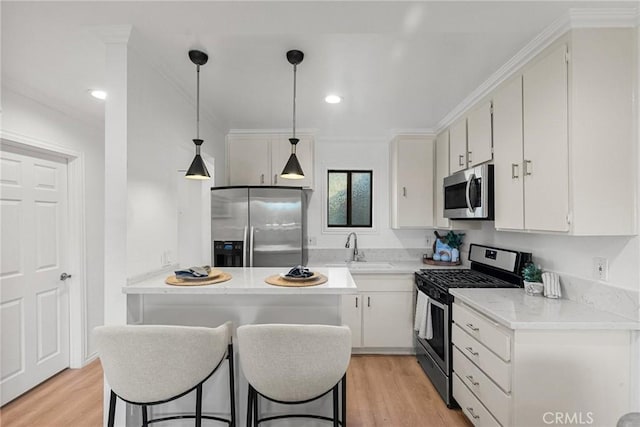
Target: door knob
(64, 276)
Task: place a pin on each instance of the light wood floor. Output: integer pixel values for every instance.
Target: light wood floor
(385, 391)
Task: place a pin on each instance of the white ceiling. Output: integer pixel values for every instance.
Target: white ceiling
(398, 65)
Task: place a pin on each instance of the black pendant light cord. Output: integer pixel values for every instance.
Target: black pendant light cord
(198, 102)
(295, 69)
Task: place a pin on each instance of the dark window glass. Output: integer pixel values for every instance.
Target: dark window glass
(350, 198)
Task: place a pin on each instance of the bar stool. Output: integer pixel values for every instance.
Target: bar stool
(292, 364)
(148, 365)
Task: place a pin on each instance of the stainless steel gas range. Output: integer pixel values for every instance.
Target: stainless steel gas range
(490, 268)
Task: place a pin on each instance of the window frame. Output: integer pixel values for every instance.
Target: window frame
(349, 223)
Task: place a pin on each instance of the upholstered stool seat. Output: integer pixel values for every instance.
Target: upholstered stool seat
(294, 364)
(148, 365)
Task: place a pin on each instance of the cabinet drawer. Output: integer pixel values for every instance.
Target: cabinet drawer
(483, 330)
(471, 406)
(497, 369)
(494, 399)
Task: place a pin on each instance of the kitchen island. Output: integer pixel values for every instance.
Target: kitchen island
(244, 299)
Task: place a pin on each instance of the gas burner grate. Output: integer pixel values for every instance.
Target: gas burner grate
(460, 278)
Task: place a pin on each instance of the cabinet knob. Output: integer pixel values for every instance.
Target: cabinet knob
(262, 179)
(460, 158)
(356, 302)
(404, 191)
(368, 301)
(275, 178)
(469, 156)
(527, 167)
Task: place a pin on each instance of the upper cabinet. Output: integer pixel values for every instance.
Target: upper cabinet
(258, 159)
(470, 139)
(479, 135)
(458, 146)
(412, 173)
(442, 171)
(564, 138)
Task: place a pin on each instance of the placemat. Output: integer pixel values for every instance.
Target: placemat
(218, 278)
(277, 280)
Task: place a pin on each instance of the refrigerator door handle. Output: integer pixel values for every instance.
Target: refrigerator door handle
(244, 246)
(251, 248)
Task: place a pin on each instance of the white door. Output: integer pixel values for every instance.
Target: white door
(442, 171)
(281, 151)
(351, 315)
(479, 137)
(34, 304)
(458, 146)
(387, 319)
(249, 160)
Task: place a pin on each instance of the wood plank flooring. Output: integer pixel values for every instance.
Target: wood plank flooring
(385, 391)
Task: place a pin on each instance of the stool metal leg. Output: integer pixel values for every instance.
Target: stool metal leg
(199, 405)
(256, 407)
(249, 406)
(145, 419)
(112, 409)
(336, 423)
(232, 389)
(344, 400)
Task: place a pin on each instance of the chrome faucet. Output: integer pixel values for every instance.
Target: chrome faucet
(355, 245)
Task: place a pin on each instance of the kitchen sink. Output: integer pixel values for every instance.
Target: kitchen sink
(362, 265)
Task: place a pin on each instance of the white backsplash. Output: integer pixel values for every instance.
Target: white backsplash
(324, 256)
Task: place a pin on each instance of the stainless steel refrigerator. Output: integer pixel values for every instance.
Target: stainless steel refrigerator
(258, 226)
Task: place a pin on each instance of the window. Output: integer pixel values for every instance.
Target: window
(349, 198)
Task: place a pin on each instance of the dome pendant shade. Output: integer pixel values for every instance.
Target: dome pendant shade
(198, 169)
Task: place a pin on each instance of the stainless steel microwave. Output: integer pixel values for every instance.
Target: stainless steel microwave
(468, 194)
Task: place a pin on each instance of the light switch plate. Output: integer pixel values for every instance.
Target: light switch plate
(601, 268)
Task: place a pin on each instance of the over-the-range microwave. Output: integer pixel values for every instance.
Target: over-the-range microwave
(468, 194)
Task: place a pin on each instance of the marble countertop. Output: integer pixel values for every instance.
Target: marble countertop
(516, 310)
(249, 281)
(382, 267)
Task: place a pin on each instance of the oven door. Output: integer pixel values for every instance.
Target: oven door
(438, 346)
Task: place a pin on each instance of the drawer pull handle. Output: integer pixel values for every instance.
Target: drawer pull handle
(475, 417)
(470, 378)
(470, 350)
(473, 328)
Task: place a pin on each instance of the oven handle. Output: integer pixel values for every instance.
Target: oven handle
(467, 192)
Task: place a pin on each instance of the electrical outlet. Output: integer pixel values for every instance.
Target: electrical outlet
(601, 268)
(313, 241)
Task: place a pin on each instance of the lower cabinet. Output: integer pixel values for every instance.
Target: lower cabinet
(381, 314)
(533, 377)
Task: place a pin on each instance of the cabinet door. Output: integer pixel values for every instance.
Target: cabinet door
(281, 148)
(479, 138)
(414, 184)
(442, 171)
(249, 160)
(458, 146)
(507, 144)
(387, 319)
(351, 312)
(546, 156)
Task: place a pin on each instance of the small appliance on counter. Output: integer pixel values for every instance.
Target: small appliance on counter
(490, 268)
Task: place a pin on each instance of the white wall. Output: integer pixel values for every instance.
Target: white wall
(34, 120)
(161, 126)
(368, 154)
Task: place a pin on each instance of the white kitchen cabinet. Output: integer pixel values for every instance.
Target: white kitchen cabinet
(412, 172)
(381, 314)
(479, 135)
(258, 159)
(509, 378)
(249, 160)
(442, 171)
(507, 144)
(550, 176)
(458, 146)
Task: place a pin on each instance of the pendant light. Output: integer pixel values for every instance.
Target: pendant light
(198, 170)
(292, 169)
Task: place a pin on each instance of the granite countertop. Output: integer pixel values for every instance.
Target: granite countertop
(249, 281)
(516, 310)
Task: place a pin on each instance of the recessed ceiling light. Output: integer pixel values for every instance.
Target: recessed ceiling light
(96, 93)
(332, 99)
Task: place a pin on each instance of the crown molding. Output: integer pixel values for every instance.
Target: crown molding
(352, 140)
(306, 132)
(575, 18)
(413, 132)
